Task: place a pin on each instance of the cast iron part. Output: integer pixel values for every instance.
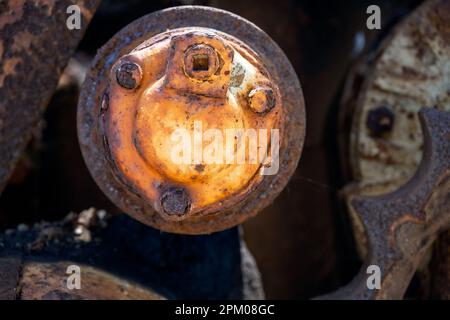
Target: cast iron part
(380, 121)
(35, 46)
(408, 71)
(401, 226)
(175, 201)
(159, 74)
(120, 259)
(129, 75)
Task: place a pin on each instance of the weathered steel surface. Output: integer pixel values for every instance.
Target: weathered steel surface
(121, 258)
(178, 198)
(384, 92)
(47, 280)
(35, 45)
(411, 70)
(401, 226)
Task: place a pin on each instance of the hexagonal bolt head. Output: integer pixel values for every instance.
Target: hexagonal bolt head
(261, 100)
(129, 75)
(176, 202)
(201, 61)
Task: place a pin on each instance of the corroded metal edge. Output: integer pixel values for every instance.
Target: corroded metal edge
(35, 46)
(400, 226)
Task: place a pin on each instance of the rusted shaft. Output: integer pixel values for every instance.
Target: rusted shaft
(193, 129)
(35, 45)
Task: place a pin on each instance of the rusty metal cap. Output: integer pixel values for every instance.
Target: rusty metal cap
(193, 129)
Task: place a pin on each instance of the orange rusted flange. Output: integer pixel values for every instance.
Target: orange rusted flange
(187, 130)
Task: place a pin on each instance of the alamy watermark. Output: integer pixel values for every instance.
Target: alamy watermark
(74, 19)
(74, 278)
(229, 146)
(374, 280)
(373, 22)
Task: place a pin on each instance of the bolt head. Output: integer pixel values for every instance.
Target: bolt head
(129, 75)
(176, 202)
(261, 100)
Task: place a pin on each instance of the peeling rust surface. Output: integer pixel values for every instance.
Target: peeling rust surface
(35, 45)
(173, 95)
(401, 226)
(47, 280)
(409, 71)
(120, 258)
(203, 73)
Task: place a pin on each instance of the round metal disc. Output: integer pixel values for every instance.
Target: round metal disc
(146, 27)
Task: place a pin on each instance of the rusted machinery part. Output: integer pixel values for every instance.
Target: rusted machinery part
(48, 280)
(35, 45)
(206, 65)
(119, 249)
(401, 226)
(410, 70)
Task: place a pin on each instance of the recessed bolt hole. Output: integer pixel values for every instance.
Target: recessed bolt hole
(380, 121)
(200, 62)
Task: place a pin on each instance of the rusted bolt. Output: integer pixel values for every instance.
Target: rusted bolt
(187, 124)
(380, 121)
(129, 75)
(201, 61)
(261, 100)
(175, 202)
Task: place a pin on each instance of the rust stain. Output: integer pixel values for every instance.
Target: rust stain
(9, 68)
(50, 4)
(22, 41)
(36, 42)
(14, 13)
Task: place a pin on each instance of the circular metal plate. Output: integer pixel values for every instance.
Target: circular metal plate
(148, 26)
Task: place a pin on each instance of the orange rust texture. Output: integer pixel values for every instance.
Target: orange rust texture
(140, 122)
(35, 45)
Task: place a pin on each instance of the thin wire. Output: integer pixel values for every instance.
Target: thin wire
(317, 183)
